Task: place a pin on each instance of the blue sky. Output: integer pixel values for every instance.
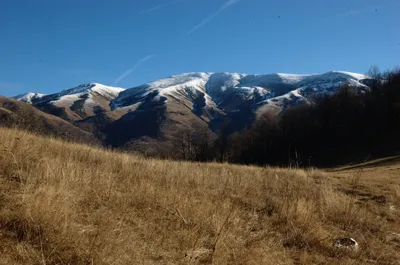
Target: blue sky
(50, 45)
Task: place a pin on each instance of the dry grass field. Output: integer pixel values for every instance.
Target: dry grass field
(63, 203)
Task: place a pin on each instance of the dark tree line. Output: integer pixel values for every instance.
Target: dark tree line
(346, 127)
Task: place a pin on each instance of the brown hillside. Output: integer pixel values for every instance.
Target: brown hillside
(18, 114)
(64, 203)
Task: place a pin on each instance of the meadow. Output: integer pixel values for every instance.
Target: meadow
(68, 203)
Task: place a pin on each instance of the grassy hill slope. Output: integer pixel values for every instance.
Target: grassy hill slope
(21, 115)
(64, 203)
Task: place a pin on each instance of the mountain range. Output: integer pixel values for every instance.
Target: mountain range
(152, 115)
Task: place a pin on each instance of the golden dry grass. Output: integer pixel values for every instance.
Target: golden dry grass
(63, 203)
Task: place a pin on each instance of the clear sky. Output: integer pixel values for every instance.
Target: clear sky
(50, 45)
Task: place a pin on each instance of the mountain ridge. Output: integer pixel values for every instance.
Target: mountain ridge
(232, 79)
(164, 109)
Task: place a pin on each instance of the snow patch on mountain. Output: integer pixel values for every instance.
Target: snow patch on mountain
(354, 75)
(86, 93)
(184, 85)
(179, 80)
(88, 89)
(224, 90)
(311, 87)
(29, 97)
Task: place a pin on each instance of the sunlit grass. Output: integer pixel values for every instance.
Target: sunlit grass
(64, 203)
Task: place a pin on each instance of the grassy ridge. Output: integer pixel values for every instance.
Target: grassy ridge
(64, 203)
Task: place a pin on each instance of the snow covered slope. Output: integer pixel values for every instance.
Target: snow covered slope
(189, 84)
(310, 87)
(29, 97)
(77, 103)
(86, 91)
(230, 91)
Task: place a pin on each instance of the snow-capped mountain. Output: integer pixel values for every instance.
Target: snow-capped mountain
(88, 92)
(29, 97)
(77, 103)
(162, 109)
(227, 91)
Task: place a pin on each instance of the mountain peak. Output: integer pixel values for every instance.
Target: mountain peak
(353, 75)
(92, 87)
(29, 97)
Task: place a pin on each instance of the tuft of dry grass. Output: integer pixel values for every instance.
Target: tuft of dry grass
(64, 203)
